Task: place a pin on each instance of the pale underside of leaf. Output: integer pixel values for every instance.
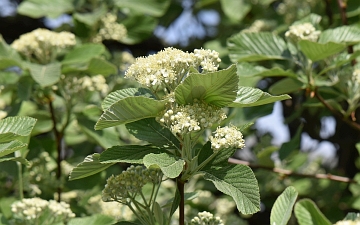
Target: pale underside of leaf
(283, 206)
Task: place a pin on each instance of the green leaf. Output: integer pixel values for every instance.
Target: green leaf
(256, 47)
(294, 144)
(216, 88)
(13, 127)
(11, 147)
(220, 160)
(235, 10)
(318, 51)
(169, 165)
(155, 8)
(240, 183)
(282, 209)
(352, 216)
(249, 96)
(84, 53)
(45, 75)
(115, 96)
(345, 34)
(90, 18)
(101, 66)
(307, 213)
(312, 18)
(139, 28)
(286, 85)
(151, 131)
(45, 8)
(128, 110)
(16, 159)
(90, 166)
(158, 214)
(93, 220)
(6, 51)
(8, 62)
(128, 153)
(246, 69)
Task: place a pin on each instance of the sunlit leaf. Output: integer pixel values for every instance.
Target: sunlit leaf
(216, 88)
(13, 127)
(240, 183)
(101, 66)
(93, 220)
(16, 159)
(283, 206)
(246, 69)
(90, 166)
(307, 213)
(169, 165)
(45, 8)
(128, 110)
(344, 34)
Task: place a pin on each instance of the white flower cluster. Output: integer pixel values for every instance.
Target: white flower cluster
(168, 67)
(305, 31)
(95, 83)
(356, 75)
(3, 114)
(206, 218)
(259, 25)
(129, 183)
(192, 117)
(29, 210)
(227, 137)
(111, 29)
(348, 222)
(42, 45)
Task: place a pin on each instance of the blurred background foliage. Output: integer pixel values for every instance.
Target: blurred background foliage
(68, 106)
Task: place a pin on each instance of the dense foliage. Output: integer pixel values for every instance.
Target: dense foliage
(101, 115)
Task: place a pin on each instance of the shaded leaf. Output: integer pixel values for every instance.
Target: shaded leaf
(294, 144)
(235, 10)
(128, 153)
(151, 131)
(216, 88)
(307, 213)
(10, 147)
(84, 53)
(240, 183)
(45, 75)
(16, 159)
(249, 96)
(115, 96)
(128, 110)
(101, 66)
(256, 47)
(17, 126)
(318, 51)
(45, 8)
(139, 27)
(283, 206)
(93, 220)
(169, 165)
(286, 85)
(150, 7)
(90, 166)
(90, 18)
(343, 34)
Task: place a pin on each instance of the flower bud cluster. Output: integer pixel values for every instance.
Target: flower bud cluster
(29, 210)
(206, 218)
(43, 45)
(192, 117)
(227, 137)
(168, 67)
(259, 25)
(111, 29)
(129, 183)
(305, 31)
(348, 222)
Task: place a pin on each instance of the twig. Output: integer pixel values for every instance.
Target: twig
(180, 186)
(292, 173)
(351, 123)
(329, 11)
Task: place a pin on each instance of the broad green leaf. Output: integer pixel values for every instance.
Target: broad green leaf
(13, 127)
(283, 206)
(139, 28)
(90, 18)
(155, 8)
(220, 160)
(45, 75)
(286, 85)
(128, 153)
(240, 183)
(90, 166)
(6, 62)
(45, 8)
(3, 220)
(345, 34)
(246, 69)
(216, 88)
(16, 159)
(169, 165)
(339, 61)
(158, 214)
(318, 51)
(249, 96)
(151, 131)
(312, 18)
(115, 96)
(235, 10)
(93, 220)
(84, 53)
(6, 51)
(101, 66)
(128, 110)
(256, 47)
(10, 147)
(307, 213)
(294, 144)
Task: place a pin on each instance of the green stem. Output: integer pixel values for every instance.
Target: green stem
(20, 176)
(136, 214)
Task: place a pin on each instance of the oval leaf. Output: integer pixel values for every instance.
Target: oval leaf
(128, 110)
(11, 147)
(90, 166)
(240, 183)
(216, 88)
(318, 51)
(13, 127)
(45, 75)
(281, 211)
(286, 85)
(344, 34)
(307, 213)
(149, 7)
(169, 165)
